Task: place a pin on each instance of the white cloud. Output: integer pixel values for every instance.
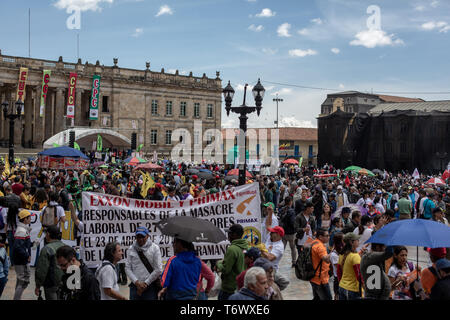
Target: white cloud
(269, 51)
(165, 9)
(441, 25)
(335, 50)
(341, 86)
(283, 91)
(419, 8)
(256, 28)
(138, 32)
(283, 30)
(374, 38)
(302, 53)
(434, 4)
(303, 32)
(84, 5)
(294, 122)
(265, 13)
(252, 0)
(317, 21)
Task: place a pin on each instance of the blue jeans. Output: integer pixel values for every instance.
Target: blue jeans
(3, 282)
(181, 295)
(348, 295)
(321, 292)
(149, 294)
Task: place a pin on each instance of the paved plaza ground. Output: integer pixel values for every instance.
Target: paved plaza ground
(297, 289)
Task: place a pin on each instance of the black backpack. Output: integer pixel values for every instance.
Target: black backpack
(304, 269)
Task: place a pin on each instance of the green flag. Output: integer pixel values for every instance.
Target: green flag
(140, 147)
(76, 146)
(55, 145)
(99, 143)
(300, 162)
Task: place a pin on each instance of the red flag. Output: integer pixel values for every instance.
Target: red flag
(347, 181)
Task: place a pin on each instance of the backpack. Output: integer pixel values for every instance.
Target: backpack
(49, 217)
(304, 269)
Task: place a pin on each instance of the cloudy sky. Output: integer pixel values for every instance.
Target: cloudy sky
(299, 48)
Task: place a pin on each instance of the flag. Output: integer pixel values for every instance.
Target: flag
(99, 143)
(147, 184)
(6, 171)
(55, 145)
(106, 158)
(347, 181)
(140, 147)
(76, 146)
(416, 174)
(300, 161)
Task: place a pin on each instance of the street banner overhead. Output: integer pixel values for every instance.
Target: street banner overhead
(93, 108)
(71, 95)
(23, 75)
(44, 90)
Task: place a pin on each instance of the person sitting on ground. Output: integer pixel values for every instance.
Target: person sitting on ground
(255, 286)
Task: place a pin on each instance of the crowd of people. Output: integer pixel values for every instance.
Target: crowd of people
(330, 216)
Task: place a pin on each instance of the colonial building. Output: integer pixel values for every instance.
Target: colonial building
(292, 142)
(392, 136)
(149, 103)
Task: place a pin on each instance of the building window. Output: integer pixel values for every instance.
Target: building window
(402, 147)
(209, 111)
(183, 109)
(168, 108)
(389, 130)
(154, 107)
(105, 104)
(196, 110)
(389, 147)
(403, 128)
(168, 136)
(153, 137)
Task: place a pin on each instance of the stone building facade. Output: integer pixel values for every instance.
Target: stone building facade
(151, 104)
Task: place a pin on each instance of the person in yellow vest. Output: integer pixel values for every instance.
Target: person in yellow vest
(26, 198)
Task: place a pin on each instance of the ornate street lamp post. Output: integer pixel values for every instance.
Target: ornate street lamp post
(8, 112)
(243, 110)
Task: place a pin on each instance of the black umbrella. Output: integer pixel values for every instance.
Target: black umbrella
(377, 171)
(191, 229)
(192, 171)
(229, 178)
(206, 175)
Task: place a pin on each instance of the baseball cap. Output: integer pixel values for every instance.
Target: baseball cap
(339, 188)
(437, 252)
(143, 231)
(263, 263)
(351, 237)
(253, 253)
(442, 264)
(195, 177)
(269, 204)
(24, 214)
(277, 229)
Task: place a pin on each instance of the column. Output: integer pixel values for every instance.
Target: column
(2, 119)
(18, 123)
(59, 120)
(48, 115)
(79, 111)
(38, 122)
(28, 116)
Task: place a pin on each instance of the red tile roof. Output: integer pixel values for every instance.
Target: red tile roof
(289, 133)
(398, 99)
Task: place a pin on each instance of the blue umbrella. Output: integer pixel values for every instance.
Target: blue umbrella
(413, 232)
(63, 152)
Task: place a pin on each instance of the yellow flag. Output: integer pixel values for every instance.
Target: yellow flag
(148, 183)
(6, 171)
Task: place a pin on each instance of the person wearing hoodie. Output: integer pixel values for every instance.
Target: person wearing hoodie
(143, 267)
(233, 263)
(22, 253)
(181, 273)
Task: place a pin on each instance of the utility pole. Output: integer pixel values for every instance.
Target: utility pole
(277, 100)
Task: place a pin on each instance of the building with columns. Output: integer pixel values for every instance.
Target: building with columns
(149, 103)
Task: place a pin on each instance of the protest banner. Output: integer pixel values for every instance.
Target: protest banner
(67, 235)
(20, 93)
(44, 90)
(108, 218)
(71, 95)
(93, 107)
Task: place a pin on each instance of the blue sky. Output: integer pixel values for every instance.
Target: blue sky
(321, 43)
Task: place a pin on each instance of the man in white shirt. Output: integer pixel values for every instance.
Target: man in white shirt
(107, 275)
(275, 246)
(143, 266)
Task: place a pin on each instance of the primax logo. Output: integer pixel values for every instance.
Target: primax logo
(243, 206)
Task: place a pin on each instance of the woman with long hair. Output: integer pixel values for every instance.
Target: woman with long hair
(40, 199)
(326, 216)
(364, 230)
(11, 226)
(402, 275)
(349, 274)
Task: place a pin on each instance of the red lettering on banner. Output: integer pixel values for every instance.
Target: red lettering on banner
(95, 92)
(23, 76)
(96, 83)
(94, 102)
(46, 78)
